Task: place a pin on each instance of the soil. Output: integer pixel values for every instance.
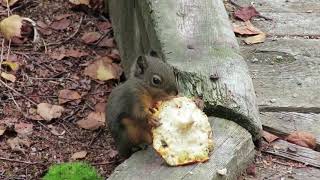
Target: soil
(40, 78)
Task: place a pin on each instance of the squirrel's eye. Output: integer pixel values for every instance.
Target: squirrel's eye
(156, 80)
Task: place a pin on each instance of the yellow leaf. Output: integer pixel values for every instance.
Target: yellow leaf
(10, 2)
(13, 65)
(104, 74)
(78, 2)
(9, 77)
(103, 69)
(260, 38)
(11, 26)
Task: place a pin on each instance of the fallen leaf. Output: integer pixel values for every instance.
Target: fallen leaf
(11, 26)
(23, 129)
(107, 42)
(251, 170)
(10, 2)
(100, 107)
(103, 69)
(62, 16)
(18, 144)
(260, 38)
(246, 28)
(43, 28)
(48, 111)
(113, 153)
(14, 66)
(75, 53)
(2, 130)
(91, 37)
(269, 137)
(67, 95)
(8, 76)
(104, 26)
(62, 53)
(304, 139)
(93, 121)
(54, 130)
(60, 24)
(79, 155)
(246, 13)
(41, 24)
(78, 2)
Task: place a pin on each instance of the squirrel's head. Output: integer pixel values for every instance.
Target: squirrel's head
(157, 76)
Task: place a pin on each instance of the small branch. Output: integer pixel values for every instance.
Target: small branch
(25, 97)
(1, 55)
(104, 163)
(70, 37)
(14, 160)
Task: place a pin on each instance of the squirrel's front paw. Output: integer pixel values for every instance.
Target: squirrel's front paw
(154, 122)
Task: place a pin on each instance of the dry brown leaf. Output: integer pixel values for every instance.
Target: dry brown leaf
(8, 76)
(100, 107)
(18, 144)
(304, 139)
(67, 95)
(269, 137)
(103, 69)
(246, 28)
(60, 24)
(79, 155)
(48, 111)
(260, 38)
(43, 28)
(104, 26)
(61, 53)
(91, 37)
(107, 42)
(78, 2)
(93, 121)
(2, 129)
(11, 26)
(62, 16)
(246, 13)
(75, 53)
(23, 129)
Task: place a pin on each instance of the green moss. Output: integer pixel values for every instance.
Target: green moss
(72, 171)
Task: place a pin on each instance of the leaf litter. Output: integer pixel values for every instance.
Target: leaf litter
(43, 130)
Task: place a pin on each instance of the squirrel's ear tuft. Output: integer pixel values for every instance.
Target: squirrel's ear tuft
(141, 65)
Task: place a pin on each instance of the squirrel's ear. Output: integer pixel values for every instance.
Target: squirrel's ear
(153, 53)
(141, 65)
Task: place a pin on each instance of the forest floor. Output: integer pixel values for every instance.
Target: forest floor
(74, 67)
(52, 71)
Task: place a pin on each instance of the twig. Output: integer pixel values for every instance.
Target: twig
(7, 86)
(70, 37)
(15, 160)
(14, 101)
(1, 55)
(104, 163)
(94, 138)
(8, 8)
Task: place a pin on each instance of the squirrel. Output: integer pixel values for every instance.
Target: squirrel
(129, 105)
